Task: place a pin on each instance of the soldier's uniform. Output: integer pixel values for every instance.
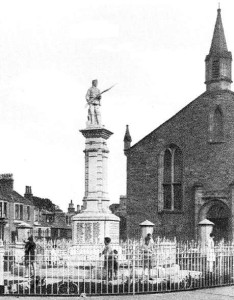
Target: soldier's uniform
(93, 98)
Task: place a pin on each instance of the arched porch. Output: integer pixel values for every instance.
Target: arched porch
(219, 213)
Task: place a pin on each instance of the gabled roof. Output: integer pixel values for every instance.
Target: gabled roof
(16, 197)
(207, 93)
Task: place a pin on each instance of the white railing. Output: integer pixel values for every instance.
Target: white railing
(59, 270)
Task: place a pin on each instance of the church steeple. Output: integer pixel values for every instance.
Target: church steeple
(219, 60)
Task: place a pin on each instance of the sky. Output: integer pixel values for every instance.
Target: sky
(50, 50)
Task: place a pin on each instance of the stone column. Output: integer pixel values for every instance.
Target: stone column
(96, 157)
(206, 227)
(146, 227)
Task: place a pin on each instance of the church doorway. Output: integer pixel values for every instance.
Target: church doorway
(219, 213)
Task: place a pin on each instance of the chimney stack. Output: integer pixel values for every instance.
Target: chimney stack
(71, 208)
(28, 192)
(6, 183)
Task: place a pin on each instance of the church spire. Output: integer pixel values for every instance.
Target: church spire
(218, 44)
(218, 61)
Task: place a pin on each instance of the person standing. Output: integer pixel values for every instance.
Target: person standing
(210, 252)
(29, 252)
(108, 258)
(147, 254)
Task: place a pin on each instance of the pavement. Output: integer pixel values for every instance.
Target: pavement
(218, 293)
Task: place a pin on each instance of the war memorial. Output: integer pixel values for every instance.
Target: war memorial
(96, 221)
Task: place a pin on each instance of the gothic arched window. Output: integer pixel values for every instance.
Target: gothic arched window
(218, 125)
(170, 192)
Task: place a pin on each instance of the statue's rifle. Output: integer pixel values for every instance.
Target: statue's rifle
(98, 95)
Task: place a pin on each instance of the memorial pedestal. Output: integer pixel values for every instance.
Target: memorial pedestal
(89, 231)
(95, 222)
(90, 228)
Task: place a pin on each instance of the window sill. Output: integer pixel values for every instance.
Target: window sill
(178, 212)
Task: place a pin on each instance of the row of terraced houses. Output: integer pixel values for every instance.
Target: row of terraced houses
(40, 216)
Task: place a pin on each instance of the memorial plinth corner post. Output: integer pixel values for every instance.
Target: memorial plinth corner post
(95, 221)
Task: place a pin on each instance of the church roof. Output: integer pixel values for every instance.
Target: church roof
(218, 44)
(205, 94)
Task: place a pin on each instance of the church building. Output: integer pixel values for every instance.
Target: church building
(183, 171)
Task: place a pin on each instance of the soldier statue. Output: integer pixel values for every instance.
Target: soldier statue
(93, 98)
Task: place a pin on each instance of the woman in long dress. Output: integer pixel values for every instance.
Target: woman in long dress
(210, 253)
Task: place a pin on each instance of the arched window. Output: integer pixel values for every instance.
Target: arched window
(218, 125)
(170, 192)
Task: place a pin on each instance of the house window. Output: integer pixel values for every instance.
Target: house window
(36, 215)
(48, 232)
(35, 232)
(49, 219)
(68, 220)
(28, 213)
(19, 211)
(170, 192)
(3, 209)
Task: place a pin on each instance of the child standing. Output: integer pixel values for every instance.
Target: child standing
(108, 257)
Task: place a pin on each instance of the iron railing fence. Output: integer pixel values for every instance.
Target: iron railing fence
(171, 267)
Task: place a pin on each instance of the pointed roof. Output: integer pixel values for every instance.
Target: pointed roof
(127, 137)
(218, 44)
(147, 223)
(206, 222)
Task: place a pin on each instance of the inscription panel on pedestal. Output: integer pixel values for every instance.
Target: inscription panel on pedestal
(114, 231)
(80, 233)
(88, 233)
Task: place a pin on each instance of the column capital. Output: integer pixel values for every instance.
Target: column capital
(96, 133)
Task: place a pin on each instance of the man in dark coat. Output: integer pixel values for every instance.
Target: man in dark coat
(30, 248)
